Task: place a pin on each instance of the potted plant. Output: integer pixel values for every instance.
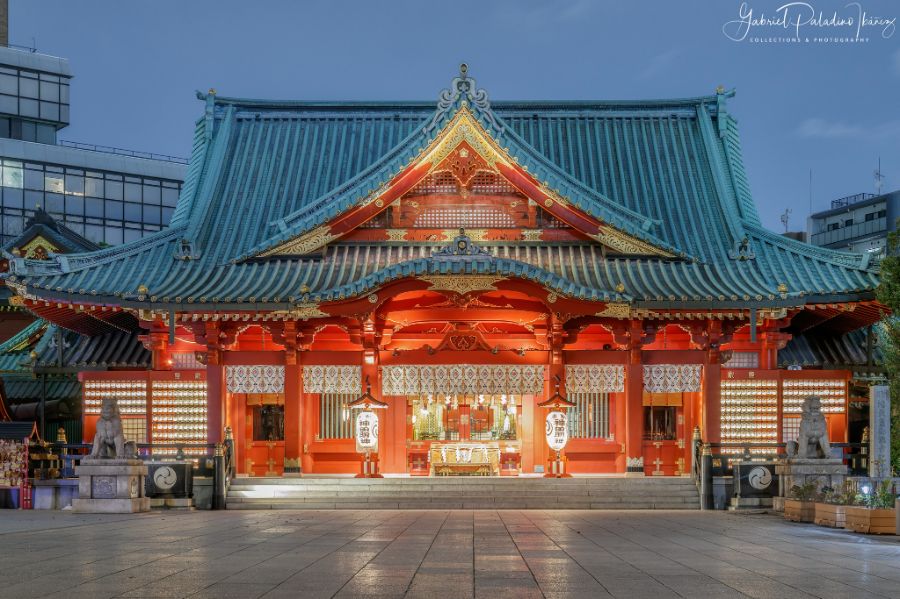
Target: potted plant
(875, 513)
(801, 506)
(831, 510)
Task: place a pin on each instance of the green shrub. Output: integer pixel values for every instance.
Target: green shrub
(805, 492)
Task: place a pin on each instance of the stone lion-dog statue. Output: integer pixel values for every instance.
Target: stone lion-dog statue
(812, 441)
(109, 440)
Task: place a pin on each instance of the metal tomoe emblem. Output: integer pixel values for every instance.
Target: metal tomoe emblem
(760, 478)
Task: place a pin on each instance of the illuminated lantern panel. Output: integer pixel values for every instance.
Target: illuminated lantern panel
(833, 393)
(749, 412)
(179, 412)
(131, 397)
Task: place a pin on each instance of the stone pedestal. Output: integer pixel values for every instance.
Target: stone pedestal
(799, 471)
(53, 494)
(111, 486)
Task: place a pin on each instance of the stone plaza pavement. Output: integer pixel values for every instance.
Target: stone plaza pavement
(437, 554)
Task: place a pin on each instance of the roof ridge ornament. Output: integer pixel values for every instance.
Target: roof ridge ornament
(462, 247)
(742, 250)
(463, 91)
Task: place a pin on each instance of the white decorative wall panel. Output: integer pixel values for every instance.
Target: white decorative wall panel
(595, 378)
(254, 379)
(462, 378)
(332, 379)
(672, 378)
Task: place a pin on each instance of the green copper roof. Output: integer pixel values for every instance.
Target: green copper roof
(668, 172)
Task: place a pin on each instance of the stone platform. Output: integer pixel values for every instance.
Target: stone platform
(799, 471)
(111, 486)
(464, 493)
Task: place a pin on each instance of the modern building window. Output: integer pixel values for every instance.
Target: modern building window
(870, 216)
(71, 194)
(882, 213)
(834, 226)
(848, 222)
(36, 95)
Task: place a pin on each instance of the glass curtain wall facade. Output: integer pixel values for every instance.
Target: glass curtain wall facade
(108, 197)
(105, 207)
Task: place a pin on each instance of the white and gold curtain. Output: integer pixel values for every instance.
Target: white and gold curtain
(462, 378)
(332, 379)
(595, 378)
(254, 379)
(672, 378)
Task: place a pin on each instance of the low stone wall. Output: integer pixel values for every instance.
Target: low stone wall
(54, 494)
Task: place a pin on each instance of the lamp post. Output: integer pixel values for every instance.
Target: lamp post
(367, 431)
(557, 430)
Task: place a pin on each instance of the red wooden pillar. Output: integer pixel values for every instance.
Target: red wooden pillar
(292, 416)
(634, 406)
(530, 424)
(620, 424)
(293, 406)
(308, 431)
(215, 402)
(634, 415)
(157, 342)
(215, 383)
(712, 407)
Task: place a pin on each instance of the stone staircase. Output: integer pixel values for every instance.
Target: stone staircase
(669, 493)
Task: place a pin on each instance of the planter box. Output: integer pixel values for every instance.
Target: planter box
(799, 511)
(865, 520)
(828, 514)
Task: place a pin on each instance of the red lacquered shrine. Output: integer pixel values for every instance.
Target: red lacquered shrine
(460, 255)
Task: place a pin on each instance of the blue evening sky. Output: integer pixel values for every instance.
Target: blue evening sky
(830, 107)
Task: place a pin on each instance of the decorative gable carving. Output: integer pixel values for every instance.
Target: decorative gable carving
(463, 149)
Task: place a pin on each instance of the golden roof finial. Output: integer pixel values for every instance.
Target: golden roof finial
(620, 288)
(720, 89)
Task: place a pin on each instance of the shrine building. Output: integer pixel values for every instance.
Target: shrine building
(458, 258)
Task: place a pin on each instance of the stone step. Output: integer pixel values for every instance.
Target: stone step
(508, 504)
(463, 493)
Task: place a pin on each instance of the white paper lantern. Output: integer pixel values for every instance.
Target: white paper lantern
(366, 432)
(557, 430)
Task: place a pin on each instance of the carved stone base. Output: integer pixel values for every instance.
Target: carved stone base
(111, 486)
(799, 471)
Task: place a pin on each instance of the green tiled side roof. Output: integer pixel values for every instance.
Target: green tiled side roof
(16, 348)
(668, 172)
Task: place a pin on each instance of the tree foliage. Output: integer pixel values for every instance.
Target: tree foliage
(889, 295)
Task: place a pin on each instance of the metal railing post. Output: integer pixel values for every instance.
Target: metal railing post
(218, 500)
(706, 479)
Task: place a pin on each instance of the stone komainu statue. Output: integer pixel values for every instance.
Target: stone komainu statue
(812, 442)
(109, 440)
